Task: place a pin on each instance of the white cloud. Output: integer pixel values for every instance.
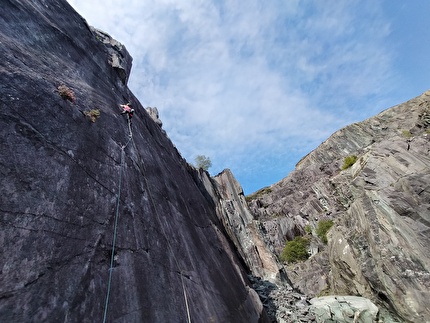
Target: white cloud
(237, 80)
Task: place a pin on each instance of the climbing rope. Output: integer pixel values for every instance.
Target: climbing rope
(112, 258)
(129, 126)
(168, 244)
(116, 227)
(186, 299)
(171, 251)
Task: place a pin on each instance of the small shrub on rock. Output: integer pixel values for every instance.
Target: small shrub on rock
(203, 162)
(92, 114)
(348, 161)
(406, 134)
(322, 229)
(259, 193)
(66, 93)
(295, 250)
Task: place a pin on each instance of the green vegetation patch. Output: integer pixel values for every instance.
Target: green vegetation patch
(322, 229)
(406, 134)
(263, 191)
(348, 161)
(295, 250)
(203, 162)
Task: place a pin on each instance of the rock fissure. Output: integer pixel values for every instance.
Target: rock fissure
(46, 231)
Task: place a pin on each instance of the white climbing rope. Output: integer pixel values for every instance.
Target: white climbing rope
(186, 299)
(169, 245)
(173, 253)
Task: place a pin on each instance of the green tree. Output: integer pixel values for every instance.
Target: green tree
(322, 229)
(203, 162)
(295, 250)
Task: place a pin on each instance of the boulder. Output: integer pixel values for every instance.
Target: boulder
(344, 309)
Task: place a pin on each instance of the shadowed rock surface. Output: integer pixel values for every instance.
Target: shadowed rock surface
(61, 173)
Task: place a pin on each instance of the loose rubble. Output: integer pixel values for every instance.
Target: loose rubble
(282, 303)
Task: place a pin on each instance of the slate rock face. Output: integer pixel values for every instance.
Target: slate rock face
(243, 230)
(62, 174)
(378, 246)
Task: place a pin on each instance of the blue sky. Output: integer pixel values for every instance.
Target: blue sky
(256, 85)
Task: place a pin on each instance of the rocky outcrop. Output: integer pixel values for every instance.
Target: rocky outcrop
(243, 230)
(118, 56)
(153, 113)
(82, 201)
(381, 205)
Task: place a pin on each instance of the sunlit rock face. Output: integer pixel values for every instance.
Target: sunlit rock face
(237, 219)
(378, 246)
(67, 172)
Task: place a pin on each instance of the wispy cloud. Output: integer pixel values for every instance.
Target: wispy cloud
(255, 85)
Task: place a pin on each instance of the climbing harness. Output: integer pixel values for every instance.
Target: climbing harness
(116, 227)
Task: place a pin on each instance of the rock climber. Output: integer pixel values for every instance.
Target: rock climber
(127, 109)
(409, 143)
